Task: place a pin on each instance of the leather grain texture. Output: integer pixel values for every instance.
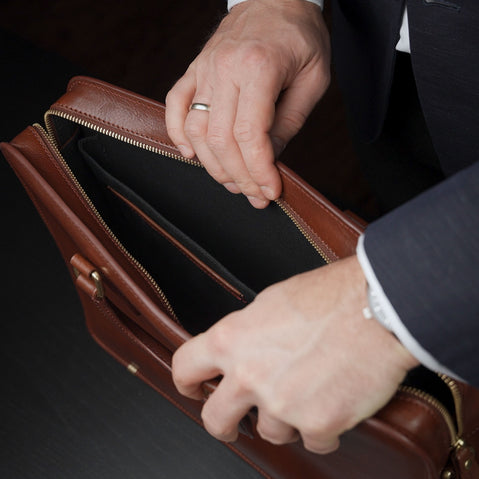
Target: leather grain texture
(132, 321)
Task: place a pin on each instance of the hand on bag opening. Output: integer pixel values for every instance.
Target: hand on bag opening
(303, 354)
(254, 84)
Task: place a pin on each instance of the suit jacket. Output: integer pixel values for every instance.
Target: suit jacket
(425, 253)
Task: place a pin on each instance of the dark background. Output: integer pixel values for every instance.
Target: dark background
(67, 409)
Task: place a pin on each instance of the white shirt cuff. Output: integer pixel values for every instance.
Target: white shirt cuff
(391, 319)
(232, 3)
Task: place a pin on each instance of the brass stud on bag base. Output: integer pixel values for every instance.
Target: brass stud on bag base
(132, 368)
(448, 474)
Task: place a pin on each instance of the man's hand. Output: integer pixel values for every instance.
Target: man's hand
(261, 73)
(303, 354)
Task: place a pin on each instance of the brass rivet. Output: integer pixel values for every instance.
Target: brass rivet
(468, 464)
(132, 368)
(447, 474)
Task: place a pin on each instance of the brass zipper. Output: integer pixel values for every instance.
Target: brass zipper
(456, 394)
(159, 151)
(117, 136)
(306, 235)
(455, 434)
(51, 142)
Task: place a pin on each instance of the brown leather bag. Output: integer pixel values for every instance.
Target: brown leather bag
(158, 251)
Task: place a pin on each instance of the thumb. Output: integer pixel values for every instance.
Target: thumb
(294, 107)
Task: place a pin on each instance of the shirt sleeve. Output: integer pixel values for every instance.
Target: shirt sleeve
(385, 313)
(232, 3)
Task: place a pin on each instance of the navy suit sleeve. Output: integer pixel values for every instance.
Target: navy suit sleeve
(425, 254)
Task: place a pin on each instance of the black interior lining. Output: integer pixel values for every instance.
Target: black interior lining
(244, 240)
(237, 241)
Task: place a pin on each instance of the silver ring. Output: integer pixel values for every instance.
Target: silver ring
(200, 106)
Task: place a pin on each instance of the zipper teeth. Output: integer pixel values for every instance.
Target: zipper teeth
(303, 231)
(117, 136)
(136, 143)
(104, 225)
(456, 393)
(438, 406)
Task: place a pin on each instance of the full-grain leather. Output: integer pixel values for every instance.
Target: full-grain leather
(406, 439)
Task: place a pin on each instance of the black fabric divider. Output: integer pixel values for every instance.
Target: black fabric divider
(259, 247)
(109, 180)
(198, 300)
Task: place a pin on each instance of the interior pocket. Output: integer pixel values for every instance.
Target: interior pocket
(200, 289)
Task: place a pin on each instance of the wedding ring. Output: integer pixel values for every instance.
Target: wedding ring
(200, 106)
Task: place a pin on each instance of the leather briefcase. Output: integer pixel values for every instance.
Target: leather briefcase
(159, 251)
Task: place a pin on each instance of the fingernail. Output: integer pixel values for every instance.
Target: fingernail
(278, 145)
(257, 203)
(186, 151)
(268, 192)
(232, 187)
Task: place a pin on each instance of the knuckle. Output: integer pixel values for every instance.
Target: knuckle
(321, 448)
(244, 132)
(324, 427)
(216, 427)
(278, 407)
(321, 78)
(260, 170)
(245, 378)
(217, 140)
(272, 437)
(254, 55)
(220, 339)
(177, 372)
(315, 429)
(171, 97)
(174, 132)
(194, 130)
(223, 61)
(248, 187)
(294, 120)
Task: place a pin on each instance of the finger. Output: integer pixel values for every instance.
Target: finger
(255, 117)
(196, 129)
(222, 143)
(274, 430)
(178, 101)
(320, 445)
(295, 105)
(192, 364)
(224, 410)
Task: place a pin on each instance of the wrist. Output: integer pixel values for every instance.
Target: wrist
(233, 3)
